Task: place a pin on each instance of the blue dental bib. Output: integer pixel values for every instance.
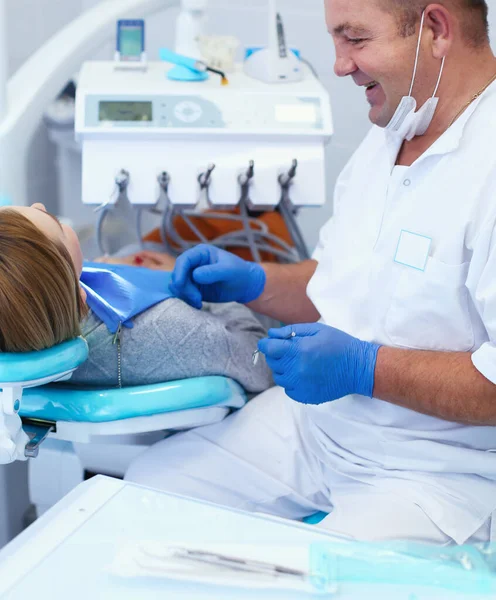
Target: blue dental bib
(117, 293)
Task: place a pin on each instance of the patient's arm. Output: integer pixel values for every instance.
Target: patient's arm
(174, 341)
(160, 261)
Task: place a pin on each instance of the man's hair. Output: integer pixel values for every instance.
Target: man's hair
(40, 302)
(473, 16)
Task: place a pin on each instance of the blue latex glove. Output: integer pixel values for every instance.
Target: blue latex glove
(206, 273)
(320, 363)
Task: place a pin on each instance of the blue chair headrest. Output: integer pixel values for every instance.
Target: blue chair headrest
(19, 367)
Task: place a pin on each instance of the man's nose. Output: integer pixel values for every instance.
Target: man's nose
(344, 66)
(39, 206)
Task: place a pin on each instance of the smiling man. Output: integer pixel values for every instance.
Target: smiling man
(385, 410)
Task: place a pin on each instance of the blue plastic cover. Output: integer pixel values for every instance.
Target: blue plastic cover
(28, 366)
(252, 49)
(316, 518)
(463, 569)
(180, 73)
(178, 59)
(117, 293)
(62, 402)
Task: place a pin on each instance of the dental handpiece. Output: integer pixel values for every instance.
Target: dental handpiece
(256, 355)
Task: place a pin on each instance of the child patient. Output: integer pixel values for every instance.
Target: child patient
(42, 304)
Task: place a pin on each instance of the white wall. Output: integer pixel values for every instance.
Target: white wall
(32, 22)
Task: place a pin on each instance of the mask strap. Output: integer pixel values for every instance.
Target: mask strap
(440, 75)
(418, 53)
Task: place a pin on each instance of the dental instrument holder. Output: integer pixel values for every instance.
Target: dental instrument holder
(162, 207)
(204, 179)
(275, 63)
(253, 234)
(289, 212)
(164, 199)
(170, 210)
(245, 180)
(163, 182)
(121, 205)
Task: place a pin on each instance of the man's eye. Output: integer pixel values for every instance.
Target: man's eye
(356, 40)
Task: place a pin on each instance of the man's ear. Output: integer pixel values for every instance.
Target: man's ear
(441, 24)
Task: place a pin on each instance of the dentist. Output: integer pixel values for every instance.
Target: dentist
(385, 411)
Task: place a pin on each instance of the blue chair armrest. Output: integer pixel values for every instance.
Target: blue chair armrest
(62, 402)
(20, 367)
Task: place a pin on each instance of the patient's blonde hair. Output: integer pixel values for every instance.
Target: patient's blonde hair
(40, 300)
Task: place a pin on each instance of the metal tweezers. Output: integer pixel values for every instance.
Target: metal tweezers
(256, 355)
(237, 564)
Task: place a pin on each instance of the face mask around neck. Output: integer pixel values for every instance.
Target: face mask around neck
(406, 123)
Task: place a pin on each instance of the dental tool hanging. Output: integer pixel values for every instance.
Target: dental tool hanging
(289, 212)
(116, 217)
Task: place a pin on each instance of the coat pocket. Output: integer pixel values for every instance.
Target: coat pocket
(430, 309)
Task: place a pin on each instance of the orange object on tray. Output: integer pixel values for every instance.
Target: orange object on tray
(213, 228)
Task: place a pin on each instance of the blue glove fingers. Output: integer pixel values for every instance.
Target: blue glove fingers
(301, 330)
(214, 273)
(280, 380)
(181, 283)
(281, 333)
(187, 262)
(189, 294)
(274, 349)
(278, 367)
(291, 392)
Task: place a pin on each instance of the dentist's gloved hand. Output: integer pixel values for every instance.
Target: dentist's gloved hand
(206, 273)
(320, 363)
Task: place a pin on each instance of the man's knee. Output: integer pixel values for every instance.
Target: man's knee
(370, 515)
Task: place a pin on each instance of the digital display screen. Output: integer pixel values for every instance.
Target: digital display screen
(305, 114)
(125, 111)
(131, 41)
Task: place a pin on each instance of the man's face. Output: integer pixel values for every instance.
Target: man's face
(371, 50)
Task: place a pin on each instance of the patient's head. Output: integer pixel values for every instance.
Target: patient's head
(40, 298)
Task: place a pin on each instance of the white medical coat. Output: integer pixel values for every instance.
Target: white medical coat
(448, 195)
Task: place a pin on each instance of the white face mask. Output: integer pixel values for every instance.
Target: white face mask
(406, 123)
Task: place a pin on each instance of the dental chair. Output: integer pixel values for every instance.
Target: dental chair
(76, 431)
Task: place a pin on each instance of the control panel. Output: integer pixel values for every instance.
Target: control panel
(184, 111)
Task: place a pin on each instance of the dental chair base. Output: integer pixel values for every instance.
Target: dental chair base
(102, 431)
